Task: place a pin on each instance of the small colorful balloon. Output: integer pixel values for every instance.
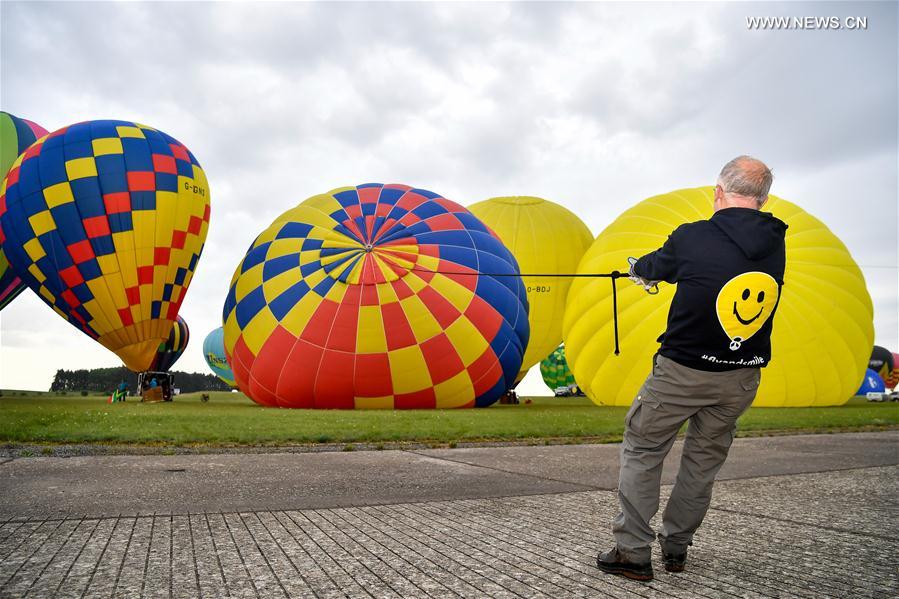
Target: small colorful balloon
(214, 352)
(554, 370)
(171, 349)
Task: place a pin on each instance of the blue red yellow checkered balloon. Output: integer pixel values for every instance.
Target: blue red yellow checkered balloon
(105, 221)
(376, 296)
(16, 134)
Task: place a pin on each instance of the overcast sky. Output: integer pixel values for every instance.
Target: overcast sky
(594, 106)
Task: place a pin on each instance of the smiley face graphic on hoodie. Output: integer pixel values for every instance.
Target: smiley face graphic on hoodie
(745, 304)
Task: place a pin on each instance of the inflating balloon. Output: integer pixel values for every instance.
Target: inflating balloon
(823, 328)
(105, 221)
(545, 238)
(893, 379)
(872, 383)
(374, 297)
(171, 349)
(15, 136)
(554, 370)
(881, 362)
(214, 352)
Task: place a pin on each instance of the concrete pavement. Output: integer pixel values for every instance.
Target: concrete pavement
(812, 516)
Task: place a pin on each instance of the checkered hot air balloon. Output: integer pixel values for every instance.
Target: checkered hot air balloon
(554, 370)
(16, 135)
(376, 296)
(105, 221)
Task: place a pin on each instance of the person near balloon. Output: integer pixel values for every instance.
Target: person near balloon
(122, 391)
(729, 273)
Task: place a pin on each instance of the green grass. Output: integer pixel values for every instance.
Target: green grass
(232, 419)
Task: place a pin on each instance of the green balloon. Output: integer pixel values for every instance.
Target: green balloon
(554, 370)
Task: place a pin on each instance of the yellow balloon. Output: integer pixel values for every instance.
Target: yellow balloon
(823, 328)
(545, 238)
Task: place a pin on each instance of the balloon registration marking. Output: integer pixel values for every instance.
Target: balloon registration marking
(744, 305)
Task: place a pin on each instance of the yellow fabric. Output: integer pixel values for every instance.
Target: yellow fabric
(545, 238)
(823, 328)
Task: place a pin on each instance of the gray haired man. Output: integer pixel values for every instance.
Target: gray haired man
(729, 274)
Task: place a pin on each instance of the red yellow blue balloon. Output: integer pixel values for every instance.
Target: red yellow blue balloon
(376, 296)
(16, 134)
(171, 349)
(105, 221)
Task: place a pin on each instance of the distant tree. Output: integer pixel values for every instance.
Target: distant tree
(104, 380)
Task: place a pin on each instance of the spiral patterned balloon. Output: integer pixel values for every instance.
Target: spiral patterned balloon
(376, 296)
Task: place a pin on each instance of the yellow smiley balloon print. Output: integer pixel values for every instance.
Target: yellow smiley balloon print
(744, 305)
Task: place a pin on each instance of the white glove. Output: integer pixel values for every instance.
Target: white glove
(651, 287)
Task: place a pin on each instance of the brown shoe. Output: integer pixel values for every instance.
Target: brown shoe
(674, 562)
(612, 562)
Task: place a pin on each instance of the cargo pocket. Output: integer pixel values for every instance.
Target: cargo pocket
(643, 417)
(752, 382)
(749, 386)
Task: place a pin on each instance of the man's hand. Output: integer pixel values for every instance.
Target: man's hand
(651, 287)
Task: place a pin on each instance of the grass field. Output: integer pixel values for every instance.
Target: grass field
(232, 419)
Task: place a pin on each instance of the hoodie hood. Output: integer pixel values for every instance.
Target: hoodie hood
(757, 233)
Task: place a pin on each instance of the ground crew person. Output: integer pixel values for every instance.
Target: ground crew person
(729, 273)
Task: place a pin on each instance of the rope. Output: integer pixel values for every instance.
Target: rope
(612, 276)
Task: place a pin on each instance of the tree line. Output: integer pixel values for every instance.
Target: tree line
(105, 380)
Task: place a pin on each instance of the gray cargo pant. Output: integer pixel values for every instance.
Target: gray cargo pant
(671, 395)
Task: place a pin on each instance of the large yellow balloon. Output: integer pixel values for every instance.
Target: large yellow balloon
(545, 238)
(823, 328)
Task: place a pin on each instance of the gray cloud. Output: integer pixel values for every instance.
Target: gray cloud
(594, 105)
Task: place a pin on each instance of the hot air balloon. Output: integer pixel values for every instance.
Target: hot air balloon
(15, 136)
(105, 221)
(554, 370)
(376, 296)
(545, 238)
(214, 352)
(824, 307)
(893, 379)
(872, 383)
(171, 349)
(881, 362)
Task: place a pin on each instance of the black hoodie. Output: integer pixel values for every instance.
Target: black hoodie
(729, 273)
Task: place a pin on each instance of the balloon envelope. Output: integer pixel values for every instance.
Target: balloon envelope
(872, 383)
(105, 221)
(881, 362)
(373, 297)
(554, 370)
(16, 135)
(545, 238)
(171, 349)
(823, 329)
(214, 352)
(893, 379)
